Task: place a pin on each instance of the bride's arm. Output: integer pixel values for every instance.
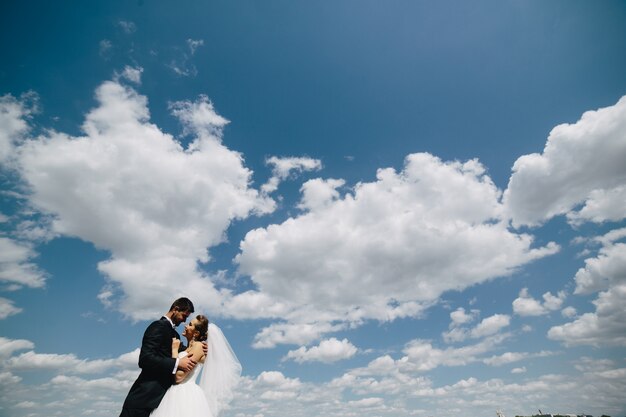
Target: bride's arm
(195, 348)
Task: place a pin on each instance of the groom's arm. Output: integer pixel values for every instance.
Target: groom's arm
(151, 357)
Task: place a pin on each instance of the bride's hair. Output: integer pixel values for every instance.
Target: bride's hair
(201, 327)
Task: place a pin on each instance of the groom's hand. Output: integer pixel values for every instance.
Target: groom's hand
(187, 363)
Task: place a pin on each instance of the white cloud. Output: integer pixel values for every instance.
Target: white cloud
(105, 48)
(581, 163)
(606, 275)
(8, 346)
(491, 325)
(526, 305)
(367, 402)
(328, 351)
(510, 357)
(194, 44)
(487, 327)
(601, 272)
(568, 312)
(317, 193)
(127, 26)
(14, 116)
(391, 247)
(456, 334)
(7, 308)
(134, 190)
(132, 74)
(601, 206)
(16, 266)
(388, 391)
(606, 326)
(283, 167)
(459, 317)
(553, 302)
(277, 380)
(69, 363)
(587, 364)
(472, 395)
(611, 237)
(291, 333)
(421, 356)
(182, 65)
(199, 117)
(8, 379)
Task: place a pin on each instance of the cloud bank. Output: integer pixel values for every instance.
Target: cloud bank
(390, 247)
(137, 192)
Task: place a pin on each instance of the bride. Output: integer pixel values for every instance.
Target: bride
(221, 372)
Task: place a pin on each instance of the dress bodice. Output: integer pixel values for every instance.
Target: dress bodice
(193, 375)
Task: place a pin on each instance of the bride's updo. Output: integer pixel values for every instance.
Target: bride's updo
(201, 328)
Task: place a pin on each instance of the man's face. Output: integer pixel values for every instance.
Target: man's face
(179, 317)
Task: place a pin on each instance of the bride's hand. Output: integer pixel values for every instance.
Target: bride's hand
(175, 346)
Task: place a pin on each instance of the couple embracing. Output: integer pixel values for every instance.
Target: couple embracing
(168, 385)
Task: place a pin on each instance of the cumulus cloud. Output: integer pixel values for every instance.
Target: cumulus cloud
(7, 308)
(283, 168)
(367, 402)
(487, 327)
(31, 360)
(389, 248)
(199, 117)
(582, 163)
(568, 312)
(591, 365)
(132, 189)
(593, 391)
(601, 206)
(385, 388)
(460, 317)
(421, 356)
(14, 116)
(9, 346)
(291, 333)
(605, 275)
(491, 325)
(328, 351)
(317, 193)
(510, 357)
(526, 305)
(16, 266)
(132, 74)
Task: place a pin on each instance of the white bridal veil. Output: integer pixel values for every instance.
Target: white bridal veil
(221, 371)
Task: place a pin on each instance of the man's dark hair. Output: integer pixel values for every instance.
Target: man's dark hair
(182, 304)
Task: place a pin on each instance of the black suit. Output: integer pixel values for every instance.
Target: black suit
(157, 365)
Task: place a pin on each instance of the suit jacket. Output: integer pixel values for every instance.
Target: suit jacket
(156, 363)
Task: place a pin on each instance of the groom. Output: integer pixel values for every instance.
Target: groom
(155, 360)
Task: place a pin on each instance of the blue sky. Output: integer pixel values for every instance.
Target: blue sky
(408, 208)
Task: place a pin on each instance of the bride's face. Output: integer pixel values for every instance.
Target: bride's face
(190, 329)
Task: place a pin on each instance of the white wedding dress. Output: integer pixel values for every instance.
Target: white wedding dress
(208, 396)
(185, 399)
